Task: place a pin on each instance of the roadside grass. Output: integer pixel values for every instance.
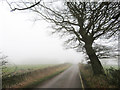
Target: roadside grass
(32, 78)
(91, 81)
(39, 81)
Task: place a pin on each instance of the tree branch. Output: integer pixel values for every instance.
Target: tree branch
(26, 7)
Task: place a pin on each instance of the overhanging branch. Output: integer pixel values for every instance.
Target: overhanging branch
(26, 7)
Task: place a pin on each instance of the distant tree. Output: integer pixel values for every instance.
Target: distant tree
(3, 59)
(4, 66)
(3, 62)
(80, 22)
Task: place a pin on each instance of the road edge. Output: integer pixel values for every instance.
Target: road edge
(81, 78)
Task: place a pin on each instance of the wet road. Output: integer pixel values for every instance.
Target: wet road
(67, 79)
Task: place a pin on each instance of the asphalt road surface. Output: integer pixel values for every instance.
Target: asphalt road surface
(67, 79)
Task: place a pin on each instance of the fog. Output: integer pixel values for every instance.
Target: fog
(27, 42)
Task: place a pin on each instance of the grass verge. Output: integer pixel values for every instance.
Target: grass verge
(34, 84)
(91, 81)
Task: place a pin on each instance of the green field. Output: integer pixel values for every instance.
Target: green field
(110, 66)
(18, 69)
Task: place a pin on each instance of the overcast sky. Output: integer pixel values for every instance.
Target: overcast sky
(27, 42)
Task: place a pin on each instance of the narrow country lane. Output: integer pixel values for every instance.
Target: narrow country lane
(67, 79)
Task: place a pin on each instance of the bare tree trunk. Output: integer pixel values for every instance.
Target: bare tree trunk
(96, 65)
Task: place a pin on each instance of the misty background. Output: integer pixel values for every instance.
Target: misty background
(27, 42)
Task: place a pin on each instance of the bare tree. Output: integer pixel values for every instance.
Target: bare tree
(5, 66)
(80, 22)
(3, 62)
(3, 59)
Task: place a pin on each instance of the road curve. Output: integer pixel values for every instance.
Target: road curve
(67, 79)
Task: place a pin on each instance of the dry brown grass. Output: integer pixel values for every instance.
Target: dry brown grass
(92, 81)
(40, 74)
